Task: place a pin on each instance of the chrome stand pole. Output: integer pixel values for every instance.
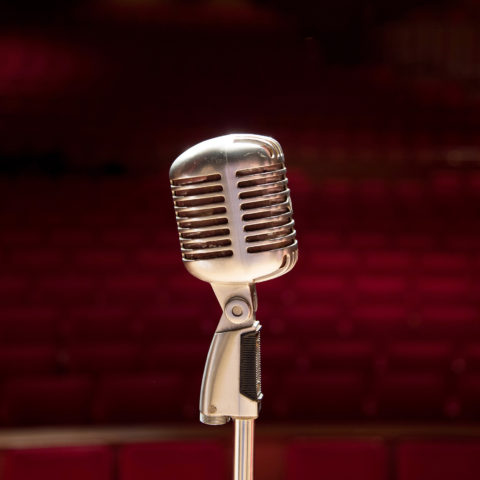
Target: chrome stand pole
(243, 457)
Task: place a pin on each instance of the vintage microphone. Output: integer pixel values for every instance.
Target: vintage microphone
(234, 217)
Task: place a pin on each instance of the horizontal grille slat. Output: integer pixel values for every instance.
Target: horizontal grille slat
(205, 232)
(204, 189)
(262, 169)
(198, 200)
(272, 233)
(262, 178)
(207, 255)
(194, 212)
(265, 201)
(201, 217)
(206, 244)
(266, 212)
(278, 230)
(271, 221)
(268, 245)
(205, 250)
(195, 180)
(264, 189)
(208, 221)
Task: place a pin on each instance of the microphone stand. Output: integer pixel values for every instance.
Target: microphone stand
(243, 450)
(231, 385)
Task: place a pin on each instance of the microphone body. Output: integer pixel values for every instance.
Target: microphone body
(235, 225)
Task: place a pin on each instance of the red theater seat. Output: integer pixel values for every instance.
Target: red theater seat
(380, 319)
(102, 323)
(133, 288)
(16, 236)
(183, 282)
(204, 460)
(444, 287)
(29, 359)
(414, 241)
(411, 395)
(140, 398)
(333, 260)
(65, 289)
(381, 286)
(326, 396)
(449, 321)
(312, 287)
(274, 320)
(374, 191)
(338, 191)
(374, 239)
(180, 321)
(315, 318)
(35, 259)
(13, 288)
(99, 260)
(469, 391)
(353, 355)
(279, 354)
(121, 236)
(388, 260)
(444, 262)
(47, 400)
(319, 239)
(60, 463)
(72, 237)
(463, 241)
(180, 356)
(27, 324)
(418, 355)
(101, 358)
(447, 184)
(338, 460)
(409, 191)
(279, 293)
(439, 460)
(159, 259)
(473, 183)
(471, 356)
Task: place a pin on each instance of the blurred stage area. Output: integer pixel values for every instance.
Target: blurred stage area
(371, 345)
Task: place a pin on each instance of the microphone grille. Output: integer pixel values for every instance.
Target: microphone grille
(201, 217)
(266, 207)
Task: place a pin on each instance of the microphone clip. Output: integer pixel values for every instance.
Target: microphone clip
(231, 385)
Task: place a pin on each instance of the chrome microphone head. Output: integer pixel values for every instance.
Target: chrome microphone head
(233, 210)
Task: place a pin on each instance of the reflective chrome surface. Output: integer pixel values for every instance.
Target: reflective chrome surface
(233, 208)
(220, 397)
(243, 461)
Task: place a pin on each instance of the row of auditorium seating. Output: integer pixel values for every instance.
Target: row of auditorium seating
(151, 397)
(122, 200)
(111, 264)
(363, 459)
(67, 291)
(370, 319)
(368, 272)
(180, 353)
(146, 245)
(372, 250)
(92, 307)
(85, 200)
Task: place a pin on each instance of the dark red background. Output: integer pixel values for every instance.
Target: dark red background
(374, 337)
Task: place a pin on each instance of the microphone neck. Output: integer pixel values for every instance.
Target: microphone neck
(239, 304)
